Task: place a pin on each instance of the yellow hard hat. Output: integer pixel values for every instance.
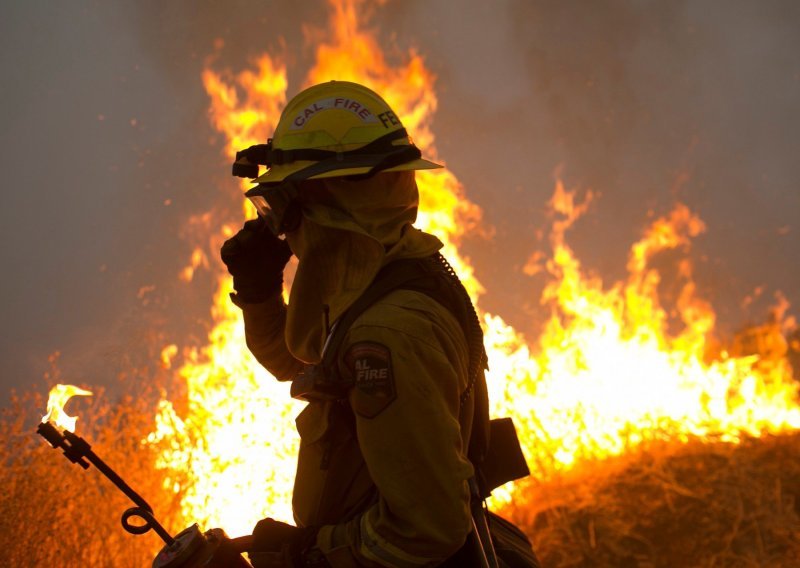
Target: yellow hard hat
(333, 129)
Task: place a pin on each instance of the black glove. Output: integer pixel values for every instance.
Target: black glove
(256, 259)
(276, 544)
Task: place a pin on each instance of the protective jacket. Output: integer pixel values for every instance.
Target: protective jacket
(384, 472)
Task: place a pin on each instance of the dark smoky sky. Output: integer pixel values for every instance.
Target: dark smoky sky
(107, 150)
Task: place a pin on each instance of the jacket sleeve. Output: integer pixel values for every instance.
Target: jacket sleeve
(406, 402)
(264, 326)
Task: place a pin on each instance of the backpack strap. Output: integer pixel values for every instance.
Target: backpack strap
(434, 277)
(322, 381)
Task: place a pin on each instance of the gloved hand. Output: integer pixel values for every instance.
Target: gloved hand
(256, 259)
(276, 544)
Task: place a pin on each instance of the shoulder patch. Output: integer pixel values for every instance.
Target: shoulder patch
(370, 365)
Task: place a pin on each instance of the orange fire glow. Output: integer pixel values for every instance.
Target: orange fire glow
(59, 396)
(607, 373)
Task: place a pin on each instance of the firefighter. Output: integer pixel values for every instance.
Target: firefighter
(384, 474)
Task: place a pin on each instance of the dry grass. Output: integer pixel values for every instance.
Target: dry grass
(703, 505)
(55, 514)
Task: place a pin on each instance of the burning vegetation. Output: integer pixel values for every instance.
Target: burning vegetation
(54, 513)
(652, 441)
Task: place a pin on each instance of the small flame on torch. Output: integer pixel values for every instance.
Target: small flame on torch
(59, 395)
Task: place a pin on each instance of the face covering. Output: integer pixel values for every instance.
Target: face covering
(349, 231)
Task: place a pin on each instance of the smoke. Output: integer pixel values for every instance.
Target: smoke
(107, 149)
(652, 102)
(644, 102)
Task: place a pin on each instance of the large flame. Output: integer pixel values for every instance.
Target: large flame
(58, 398)
(608, 372)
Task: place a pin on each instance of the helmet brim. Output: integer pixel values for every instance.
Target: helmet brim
(277, 174)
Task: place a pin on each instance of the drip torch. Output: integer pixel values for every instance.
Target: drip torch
(191, 548)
